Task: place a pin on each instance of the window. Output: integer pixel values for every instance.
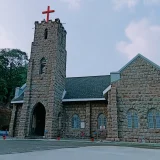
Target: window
(102, 121)
(42, 65)
(132, 118)
(158, 120)
(46, 34)
(59, 120)
(75, 121)
(153, 119)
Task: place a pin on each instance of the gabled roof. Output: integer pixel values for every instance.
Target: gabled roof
(19, 98)
(86, 87)
(116, 78)
(141, 56)
(79, 89)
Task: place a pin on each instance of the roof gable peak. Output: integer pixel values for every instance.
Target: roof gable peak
(134, 59)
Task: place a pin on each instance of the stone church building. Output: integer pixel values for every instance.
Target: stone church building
(122, 106)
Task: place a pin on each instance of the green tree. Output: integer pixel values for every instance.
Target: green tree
(13, 72)
(3, 82)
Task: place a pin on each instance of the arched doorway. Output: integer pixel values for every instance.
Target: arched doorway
(38, 120)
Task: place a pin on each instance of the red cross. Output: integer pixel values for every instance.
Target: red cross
(48, 12)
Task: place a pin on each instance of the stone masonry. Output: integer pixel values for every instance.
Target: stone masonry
(112, 115)
(46, 88)
(88, 113)
(15, 120)
(139, 89)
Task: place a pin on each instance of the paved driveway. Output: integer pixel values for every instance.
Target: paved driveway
(21, 146)
(87, 153)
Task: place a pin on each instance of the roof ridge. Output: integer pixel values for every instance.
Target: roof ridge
(149, 61)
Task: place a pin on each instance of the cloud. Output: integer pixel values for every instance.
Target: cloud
(119, 4)
(143, 37)
(5, 40)
(73, 4)
(151, 2)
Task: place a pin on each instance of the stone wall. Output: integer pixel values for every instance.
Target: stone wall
(97, 108)
(139, 89)
(46, 88)
(112, 115)
(88, 113)
(15, 120)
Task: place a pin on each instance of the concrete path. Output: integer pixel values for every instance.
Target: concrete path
(88, 153)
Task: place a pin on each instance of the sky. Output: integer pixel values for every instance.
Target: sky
(102, 35)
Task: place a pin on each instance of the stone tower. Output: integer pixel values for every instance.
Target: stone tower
(45, 81)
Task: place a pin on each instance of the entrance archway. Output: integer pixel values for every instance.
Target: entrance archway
(38, 120)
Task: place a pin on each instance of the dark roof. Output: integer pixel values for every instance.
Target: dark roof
(86, 87)
(82, 87)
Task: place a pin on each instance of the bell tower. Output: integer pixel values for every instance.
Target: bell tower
(45, 79)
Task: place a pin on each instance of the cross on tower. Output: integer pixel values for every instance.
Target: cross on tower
(48, 12)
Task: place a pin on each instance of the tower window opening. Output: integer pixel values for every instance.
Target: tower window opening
(46, 34)
(42, 65)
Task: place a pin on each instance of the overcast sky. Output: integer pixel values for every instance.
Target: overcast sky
(102, 35)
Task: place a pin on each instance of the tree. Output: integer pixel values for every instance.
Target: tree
(3, 82)
(13, 72)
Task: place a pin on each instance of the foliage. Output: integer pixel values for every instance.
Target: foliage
(13, 72)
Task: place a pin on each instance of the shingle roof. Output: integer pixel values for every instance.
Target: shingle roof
(81, 87)
(86, 87)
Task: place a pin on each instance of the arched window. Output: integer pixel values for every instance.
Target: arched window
(132, 118)
(153, 119)
(59, 121)
(42, 65)
(102, 121)
(46, 34)
(75, 121)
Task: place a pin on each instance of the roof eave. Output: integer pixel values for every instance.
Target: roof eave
(64, 93)
(107, 89)
(17, 102)
(83, 99)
